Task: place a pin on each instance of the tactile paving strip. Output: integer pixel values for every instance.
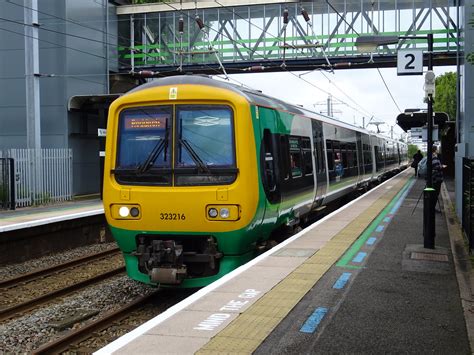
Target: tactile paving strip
(246, 332)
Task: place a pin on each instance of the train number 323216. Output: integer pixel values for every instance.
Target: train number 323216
(172, 216)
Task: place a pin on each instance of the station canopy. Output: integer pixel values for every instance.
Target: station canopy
(91, 102)
(413, 118)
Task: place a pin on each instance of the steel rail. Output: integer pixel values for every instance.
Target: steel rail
(75, 336)
(7, 313)
(51, 270)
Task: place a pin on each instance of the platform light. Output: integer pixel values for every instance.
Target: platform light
(430, 83)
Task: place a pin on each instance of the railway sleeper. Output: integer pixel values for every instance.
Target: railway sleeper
(169, 261)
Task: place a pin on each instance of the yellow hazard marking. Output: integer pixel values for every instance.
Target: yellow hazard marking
(245, 333)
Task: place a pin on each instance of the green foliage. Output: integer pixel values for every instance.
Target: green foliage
(470, 58)
(412, 149)
(3, 192)
(445, 99)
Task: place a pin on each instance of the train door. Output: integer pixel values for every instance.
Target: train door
(269, 156)
(319, 163)
(360, 161)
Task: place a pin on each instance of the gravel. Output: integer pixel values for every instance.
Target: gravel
(13, 270)
(31, 331)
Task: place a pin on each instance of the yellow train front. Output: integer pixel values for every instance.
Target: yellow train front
(181, 190)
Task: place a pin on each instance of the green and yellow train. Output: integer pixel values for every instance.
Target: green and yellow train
(200, 172)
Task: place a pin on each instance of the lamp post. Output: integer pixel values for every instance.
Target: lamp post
(369, 44)
(429, 201)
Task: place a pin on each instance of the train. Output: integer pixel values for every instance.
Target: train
(199, 173)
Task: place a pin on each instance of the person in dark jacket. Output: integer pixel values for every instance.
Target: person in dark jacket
(416, 159)
(437, 172)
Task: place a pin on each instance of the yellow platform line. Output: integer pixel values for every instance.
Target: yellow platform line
(245, 333)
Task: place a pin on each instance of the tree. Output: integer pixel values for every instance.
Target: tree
(412, 149)
(445, 97)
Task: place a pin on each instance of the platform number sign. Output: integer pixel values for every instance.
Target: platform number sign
(410, 62)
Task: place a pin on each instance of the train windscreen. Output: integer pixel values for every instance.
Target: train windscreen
(204, 144)
(202, 137)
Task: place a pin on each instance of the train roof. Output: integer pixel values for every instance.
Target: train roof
(254, 96)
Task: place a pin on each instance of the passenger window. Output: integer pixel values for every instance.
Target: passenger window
(295, 158)
(350, 159)
(329, 155)
(308, 162)
(269, 163)
(307, 157)
(285, 170)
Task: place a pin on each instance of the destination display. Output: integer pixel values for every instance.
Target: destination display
(146, 122)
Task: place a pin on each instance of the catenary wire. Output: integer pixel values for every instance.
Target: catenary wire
(266, 32)
(78, 24)
(235, 42)
(355, 31)
(65, 20)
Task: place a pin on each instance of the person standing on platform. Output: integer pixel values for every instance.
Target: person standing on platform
(437, 173)
(416, 159)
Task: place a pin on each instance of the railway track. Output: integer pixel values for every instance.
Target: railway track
(29, 291)
(100, 332)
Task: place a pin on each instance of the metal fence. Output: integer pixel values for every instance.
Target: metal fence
(7, 183)
(41, 176)
(467, 199)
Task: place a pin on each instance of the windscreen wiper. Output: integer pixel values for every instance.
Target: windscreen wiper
(154, 154)
(194, 156)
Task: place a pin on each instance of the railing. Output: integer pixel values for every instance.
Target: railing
(7, 183)
(467, 199)
(41, 176)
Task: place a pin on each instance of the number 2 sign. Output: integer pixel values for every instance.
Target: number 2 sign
(410, 62)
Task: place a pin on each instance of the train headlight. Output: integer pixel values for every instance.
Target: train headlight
(224, 213)
(134, 212)
(125, 211)
(212, 212)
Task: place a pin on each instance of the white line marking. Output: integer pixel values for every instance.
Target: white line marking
(54, 219)
(145, 327)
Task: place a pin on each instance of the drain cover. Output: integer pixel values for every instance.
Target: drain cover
(429, 256)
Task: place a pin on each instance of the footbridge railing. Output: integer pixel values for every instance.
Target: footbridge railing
(279, 33)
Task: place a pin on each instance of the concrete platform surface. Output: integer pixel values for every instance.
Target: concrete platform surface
(36, 216)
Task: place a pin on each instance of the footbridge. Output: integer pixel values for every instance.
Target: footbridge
(211, 37)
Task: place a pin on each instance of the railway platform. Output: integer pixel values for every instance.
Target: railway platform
(36, 216)
(357, 281)
(36, 231)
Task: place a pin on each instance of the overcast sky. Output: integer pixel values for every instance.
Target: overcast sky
(363, 86)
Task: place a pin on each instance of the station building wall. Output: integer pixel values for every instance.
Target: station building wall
(73, 49)
(465, 146)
